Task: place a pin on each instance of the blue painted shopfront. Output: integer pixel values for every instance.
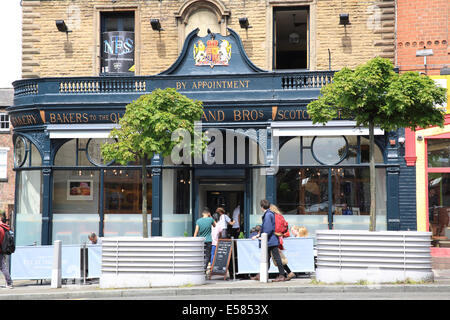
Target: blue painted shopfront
(58, 123)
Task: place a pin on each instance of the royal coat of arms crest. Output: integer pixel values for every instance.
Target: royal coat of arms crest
(213, 54)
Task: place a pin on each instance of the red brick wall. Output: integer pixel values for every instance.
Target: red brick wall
(423, 23)
(7, 187)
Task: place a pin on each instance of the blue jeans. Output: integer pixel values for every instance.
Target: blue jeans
(4, 269)
(213, 250)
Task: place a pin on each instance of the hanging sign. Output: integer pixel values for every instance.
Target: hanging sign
(117, 51)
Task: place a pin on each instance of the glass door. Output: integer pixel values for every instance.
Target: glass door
(438, 175)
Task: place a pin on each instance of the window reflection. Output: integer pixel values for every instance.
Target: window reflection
(327, 150)
(438, 152)
(182, 191)
(303, 191)
(365, 152)
(439, 205)
(123, 193)
(351, 191)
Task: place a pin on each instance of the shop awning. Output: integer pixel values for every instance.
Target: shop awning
(62, 131)
(332, 128)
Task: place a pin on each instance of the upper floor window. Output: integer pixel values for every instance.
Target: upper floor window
(117, 43)
(4, 122)
(291, 38)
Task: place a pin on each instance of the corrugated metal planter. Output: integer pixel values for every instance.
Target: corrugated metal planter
(152, 262)
(352, 256)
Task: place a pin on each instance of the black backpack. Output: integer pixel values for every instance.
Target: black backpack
(8, 245)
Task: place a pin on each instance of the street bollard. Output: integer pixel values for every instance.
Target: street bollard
(56, 270)
(263, 267)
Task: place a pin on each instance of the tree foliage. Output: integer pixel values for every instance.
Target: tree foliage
(374, 95)
(373, 92)
(146, 129)
(147, 125)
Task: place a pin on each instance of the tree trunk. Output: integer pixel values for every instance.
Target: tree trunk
(144, 197)
(372, 225)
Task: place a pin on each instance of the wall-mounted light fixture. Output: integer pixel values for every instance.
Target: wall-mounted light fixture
(156, 25)
(424, 53)
(243, 22)
(62, 27)
(419, 138)
(401, 140)
(344, 19)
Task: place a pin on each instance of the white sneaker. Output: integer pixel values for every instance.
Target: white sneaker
(9, 286)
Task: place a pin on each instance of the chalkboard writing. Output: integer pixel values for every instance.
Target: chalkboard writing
(221, 258)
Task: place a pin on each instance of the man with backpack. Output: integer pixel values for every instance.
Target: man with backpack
(268, 226)
(4, 234)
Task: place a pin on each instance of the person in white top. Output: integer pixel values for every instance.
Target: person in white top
(224, 222)
(236, 226)
(215, 235)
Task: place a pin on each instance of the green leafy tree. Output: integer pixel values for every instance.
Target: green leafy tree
(375, 96)
(146, 129)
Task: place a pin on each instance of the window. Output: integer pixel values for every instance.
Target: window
(4, 122)
(438, 151)
(291, 38)
(327, 151)
(117, 42)
(123, 191)
(438, 172)
(323, 182)
(303, 191)
(182, 191)
(26, 154)
(4, 163)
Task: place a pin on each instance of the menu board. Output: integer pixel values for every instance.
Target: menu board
(221, 258)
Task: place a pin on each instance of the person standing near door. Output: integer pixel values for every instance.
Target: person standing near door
(236, 225)
(224, 222)
(215, 231)
(203, 229)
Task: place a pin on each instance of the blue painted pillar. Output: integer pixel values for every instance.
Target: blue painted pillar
(392, 182)
(270, 172)
(392, 201)
(156, 225)
(47, 190)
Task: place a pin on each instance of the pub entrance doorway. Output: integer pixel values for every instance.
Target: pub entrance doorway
(229, 201)
(228, 193)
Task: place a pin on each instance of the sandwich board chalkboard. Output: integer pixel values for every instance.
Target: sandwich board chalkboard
(221, 258)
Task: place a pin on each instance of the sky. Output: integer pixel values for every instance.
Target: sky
(11, 37)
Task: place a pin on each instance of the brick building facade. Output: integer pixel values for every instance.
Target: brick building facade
(7, 175)
(47, 53)
(424, 25)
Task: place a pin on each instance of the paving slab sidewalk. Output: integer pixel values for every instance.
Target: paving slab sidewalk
(35, 290)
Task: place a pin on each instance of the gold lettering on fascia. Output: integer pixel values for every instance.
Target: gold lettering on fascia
(23, 120)
(68, 117)
(82, 117)
(296, 114)
(212, 84)
(255, 114)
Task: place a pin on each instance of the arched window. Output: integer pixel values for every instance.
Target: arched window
(202, 14)
(25, 153)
